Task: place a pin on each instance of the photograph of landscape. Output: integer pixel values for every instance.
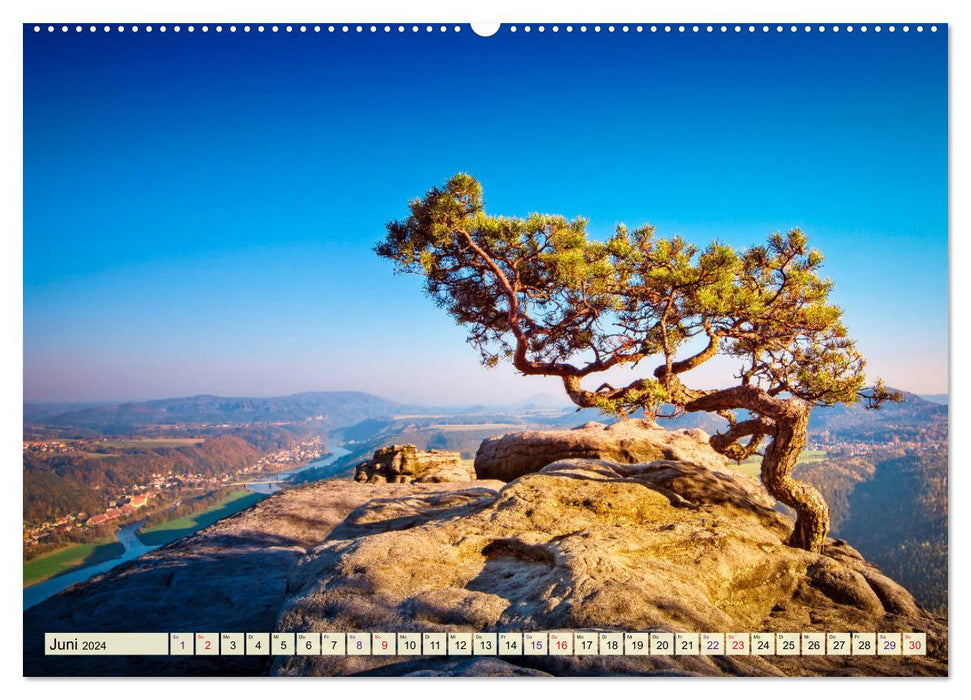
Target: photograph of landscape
(568, 331)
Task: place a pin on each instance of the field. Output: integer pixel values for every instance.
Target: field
(80, 555)
(151, 443)
(172, 530)
(753, 465)
(455, 427)
(122, 445)
(72, 557)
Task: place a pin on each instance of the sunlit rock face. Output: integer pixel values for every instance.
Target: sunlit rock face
(582, 544)
(595, 545)
(402, 464)
(509, 456)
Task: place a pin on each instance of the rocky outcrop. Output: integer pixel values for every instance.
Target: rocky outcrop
(230, 576)
(402, 464)
(589, 544)
(507, 457)
(581, 544)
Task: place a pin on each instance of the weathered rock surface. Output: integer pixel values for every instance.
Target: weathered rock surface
(229, 576)
(402, 464)
(582, 544)
(507, 457)
(589, 544)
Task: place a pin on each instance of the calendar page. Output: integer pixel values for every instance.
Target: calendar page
(518, 349)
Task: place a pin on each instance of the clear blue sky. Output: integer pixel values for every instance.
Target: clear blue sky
(199, 210)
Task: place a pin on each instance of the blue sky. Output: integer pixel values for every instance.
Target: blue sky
(199, 210)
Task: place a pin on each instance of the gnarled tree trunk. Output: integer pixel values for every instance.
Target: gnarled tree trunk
(785, 422)
(781, 455)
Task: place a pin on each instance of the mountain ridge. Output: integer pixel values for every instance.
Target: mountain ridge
(211, 408)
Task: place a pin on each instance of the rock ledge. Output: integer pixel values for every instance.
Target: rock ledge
(402, 464)
(507, 457)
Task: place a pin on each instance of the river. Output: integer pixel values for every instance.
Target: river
(272, 483)
(134, 547)
(52, 586)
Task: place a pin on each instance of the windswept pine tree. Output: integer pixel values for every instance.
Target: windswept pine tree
(539, 292)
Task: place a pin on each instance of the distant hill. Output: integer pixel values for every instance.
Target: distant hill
(935, 398)
(48, 496)
(911, 545)
(35, 411)
(893, 508)
(914, 418)
(331, 408)
(544, 402)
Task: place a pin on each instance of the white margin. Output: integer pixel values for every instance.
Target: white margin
(373, 11)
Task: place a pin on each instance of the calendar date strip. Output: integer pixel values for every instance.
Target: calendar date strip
(549, 643)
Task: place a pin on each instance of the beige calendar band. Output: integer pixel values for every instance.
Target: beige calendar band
(550, 643)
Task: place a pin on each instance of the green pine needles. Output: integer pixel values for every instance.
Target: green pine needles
(538, 292)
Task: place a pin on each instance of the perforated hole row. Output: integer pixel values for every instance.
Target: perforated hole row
(427, 28)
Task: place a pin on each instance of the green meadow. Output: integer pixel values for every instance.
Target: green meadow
(78, 556)
(753, 465)
(169, 531)
(72, 557)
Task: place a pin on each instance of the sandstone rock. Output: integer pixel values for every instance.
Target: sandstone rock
(589, 544)
(507, 457)
(229, 576)
(401, 464)
(582, 544)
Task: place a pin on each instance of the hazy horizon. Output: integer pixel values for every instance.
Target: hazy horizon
(200, 211)
(541, 395)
